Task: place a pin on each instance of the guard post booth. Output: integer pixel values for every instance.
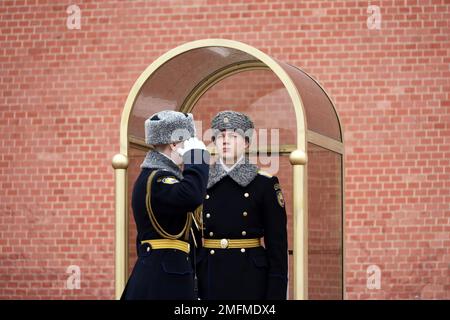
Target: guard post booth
(298, 138)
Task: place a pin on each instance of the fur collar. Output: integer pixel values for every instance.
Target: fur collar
(243, 173)
(156, 160)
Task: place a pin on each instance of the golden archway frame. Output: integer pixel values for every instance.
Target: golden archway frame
(297, 155)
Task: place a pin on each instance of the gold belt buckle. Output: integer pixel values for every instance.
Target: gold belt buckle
(224, 243)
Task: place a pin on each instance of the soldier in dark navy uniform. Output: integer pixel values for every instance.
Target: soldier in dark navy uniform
(242, 206)
(164, 200)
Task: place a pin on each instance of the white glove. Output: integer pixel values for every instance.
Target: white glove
(190, 144)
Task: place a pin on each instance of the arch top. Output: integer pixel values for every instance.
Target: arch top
(171, 79)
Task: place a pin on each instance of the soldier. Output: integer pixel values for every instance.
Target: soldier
(164, 198)
(242, 205)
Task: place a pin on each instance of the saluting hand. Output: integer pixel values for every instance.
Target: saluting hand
(190, 144)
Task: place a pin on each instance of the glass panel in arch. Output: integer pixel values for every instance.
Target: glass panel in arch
(320, 114)
(260, 95)
(168, 87)
(325, 227)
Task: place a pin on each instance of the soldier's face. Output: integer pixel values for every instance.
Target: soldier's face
(230, 146)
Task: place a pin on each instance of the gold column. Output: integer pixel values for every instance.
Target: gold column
(120, 164)
(298, 160)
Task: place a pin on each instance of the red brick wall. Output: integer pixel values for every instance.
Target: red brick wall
(63, 92)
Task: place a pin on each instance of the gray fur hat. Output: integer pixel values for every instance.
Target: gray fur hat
(232, 120)
(169, 126)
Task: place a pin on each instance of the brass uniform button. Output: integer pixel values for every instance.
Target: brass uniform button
(244, 233)
(212, 251)
(244, 213)
(211, 234)
(224, 243)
